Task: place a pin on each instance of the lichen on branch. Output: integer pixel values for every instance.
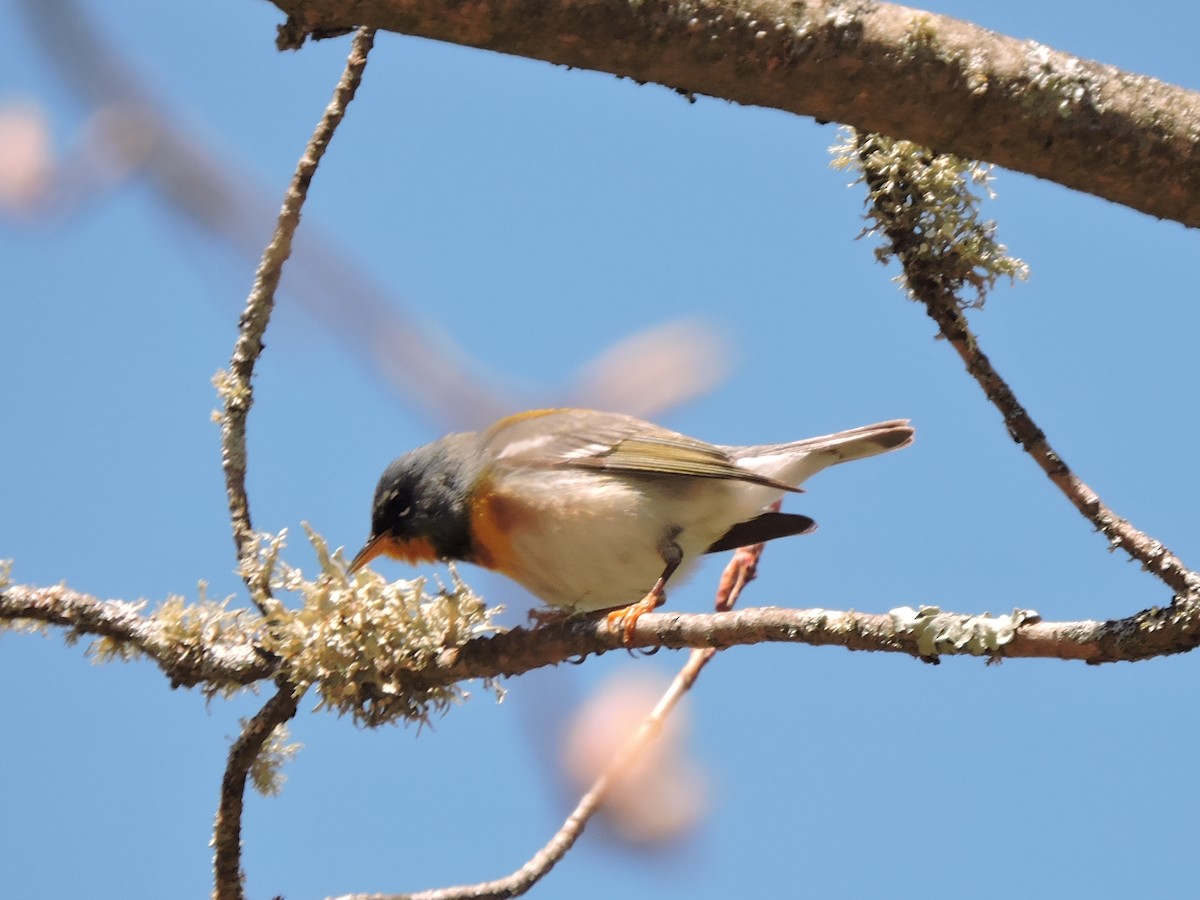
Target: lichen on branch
(358, 639)
(266, 772)
(925, 206)
(363, 644)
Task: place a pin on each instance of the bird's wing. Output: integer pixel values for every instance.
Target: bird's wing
(611, 442)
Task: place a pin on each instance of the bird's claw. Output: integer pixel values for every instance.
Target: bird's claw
(625, 619)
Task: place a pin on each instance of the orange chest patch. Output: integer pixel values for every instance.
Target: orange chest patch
(495, 519)
(413, 552)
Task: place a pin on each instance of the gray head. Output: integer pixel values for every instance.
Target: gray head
(421, 510)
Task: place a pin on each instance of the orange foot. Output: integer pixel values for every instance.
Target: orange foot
(625, 619)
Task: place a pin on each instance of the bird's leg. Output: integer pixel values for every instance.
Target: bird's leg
(625, 619)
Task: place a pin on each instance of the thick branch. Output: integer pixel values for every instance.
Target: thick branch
(1150, 633)
(938, 81)
(1154, 632)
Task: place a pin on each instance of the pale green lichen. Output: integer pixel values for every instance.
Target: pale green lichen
(232, 391)
(976, 69)
(1058, 83)
(230, 388)
(844, 14)
(923, 204)
(106, 648)
(266, 772)
(19, 626)
(361, 641)
(923, 44)
(920, 38)
(938, 633)
(182, 632)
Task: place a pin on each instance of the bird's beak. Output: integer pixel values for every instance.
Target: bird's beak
(418, 550)
(376, 545)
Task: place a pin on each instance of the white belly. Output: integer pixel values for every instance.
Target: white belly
(598, 544)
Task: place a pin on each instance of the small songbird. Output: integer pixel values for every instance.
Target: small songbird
(592, 510)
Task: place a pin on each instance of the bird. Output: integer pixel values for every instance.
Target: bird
(595, 510)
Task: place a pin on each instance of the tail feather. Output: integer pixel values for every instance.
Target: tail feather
(765, 527)
(796, 461)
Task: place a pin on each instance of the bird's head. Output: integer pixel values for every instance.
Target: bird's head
(421, 507)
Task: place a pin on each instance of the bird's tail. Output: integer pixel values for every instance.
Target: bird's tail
(793, 463)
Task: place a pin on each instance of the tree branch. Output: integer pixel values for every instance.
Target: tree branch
(199, 659)
(926, 635)
(903, 195)
(227, 831)
(1153, 632)
(1155, 557)
(236, 388)
(739, 572)
(883, 68)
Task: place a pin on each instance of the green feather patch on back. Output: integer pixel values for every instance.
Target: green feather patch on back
(660, 456)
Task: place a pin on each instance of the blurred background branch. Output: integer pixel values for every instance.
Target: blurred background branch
(132, 133)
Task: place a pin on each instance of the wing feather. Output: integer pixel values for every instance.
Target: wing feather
(614, 443)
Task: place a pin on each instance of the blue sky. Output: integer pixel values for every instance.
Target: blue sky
(539, 215)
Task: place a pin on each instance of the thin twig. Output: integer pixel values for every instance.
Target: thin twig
(204, 660)
(738, 573)
(238, 393)
(928, 282)
(1153, 555)
(227, 831)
